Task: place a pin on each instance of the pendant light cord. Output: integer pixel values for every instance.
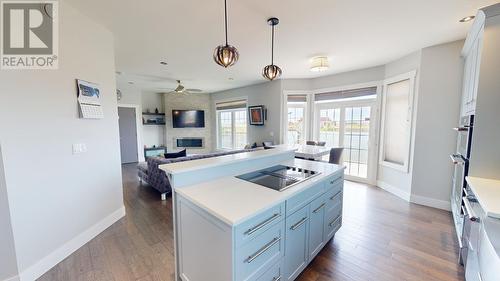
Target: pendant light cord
(272, 47)
(225, 18)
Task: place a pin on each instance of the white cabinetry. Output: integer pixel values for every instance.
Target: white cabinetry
(472, 58)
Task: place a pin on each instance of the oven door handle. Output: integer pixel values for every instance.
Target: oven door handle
(461, 129)
(457, 159)
(470, 212)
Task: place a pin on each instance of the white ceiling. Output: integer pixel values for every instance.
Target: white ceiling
(354, 34)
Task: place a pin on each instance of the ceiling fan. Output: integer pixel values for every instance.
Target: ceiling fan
(182, 90)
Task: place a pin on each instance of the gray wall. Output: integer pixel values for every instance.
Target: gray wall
(438, 106)
(8, 261)
(58, 200)
(268, 94)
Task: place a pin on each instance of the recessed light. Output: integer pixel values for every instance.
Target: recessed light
(466, 19)
(230, 78)
(163, 62)
(131, 82)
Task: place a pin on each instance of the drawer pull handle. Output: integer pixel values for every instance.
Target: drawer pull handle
(333, 197)
(262, 224)
(277, 278)
(319, 208)
(299, 223)
(263, 250)
(334, 221)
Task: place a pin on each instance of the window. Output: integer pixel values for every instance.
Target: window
(296, 119)
(397, 121)
(231, 124)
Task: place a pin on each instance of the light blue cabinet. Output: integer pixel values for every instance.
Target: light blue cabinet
(296, 244)
(316, 223)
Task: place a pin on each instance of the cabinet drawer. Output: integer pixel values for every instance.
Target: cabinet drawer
(335, 184)
(303, 198)
(333, 201)
(259, 254)
(259, 224)
(273, 274)
(332, 226)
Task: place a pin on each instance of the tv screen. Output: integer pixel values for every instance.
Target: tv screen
(188, 118)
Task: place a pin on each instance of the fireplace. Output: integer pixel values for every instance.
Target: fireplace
(189, 142)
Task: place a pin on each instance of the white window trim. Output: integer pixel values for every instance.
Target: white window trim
(284, 114)
(214, 106)
(405, 76)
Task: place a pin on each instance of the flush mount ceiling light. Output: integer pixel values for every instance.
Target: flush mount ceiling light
(319, 64)
(226, 55)
(163, 63)
(272, 71)
(466, 19)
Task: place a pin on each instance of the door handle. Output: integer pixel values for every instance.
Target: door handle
(298, 224)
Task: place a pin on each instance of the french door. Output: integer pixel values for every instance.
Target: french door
(348, 124)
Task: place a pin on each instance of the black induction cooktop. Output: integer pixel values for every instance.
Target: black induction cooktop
(279, 177)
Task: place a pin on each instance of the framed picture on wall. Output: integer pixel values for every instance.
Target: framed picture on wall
(257, 115)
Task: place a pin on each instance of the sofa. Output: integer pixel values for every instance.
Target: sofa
(150, 173)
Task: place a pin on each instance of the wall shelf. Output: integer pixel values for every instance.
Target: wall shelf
(152, 113)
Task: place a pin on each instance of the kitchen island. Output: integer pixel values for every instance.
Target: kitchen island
(229, 228)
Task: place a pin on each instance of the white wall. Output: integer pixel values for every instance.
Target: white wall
(59, 201)
(188, 102)
(439, 98)
(8, 261)
(267, 94)
(393, 180)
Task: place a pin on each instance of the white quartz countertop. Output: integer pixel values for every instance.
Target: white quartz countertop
(487, 192)
(193, 165)
(310, 151)
(234, 200)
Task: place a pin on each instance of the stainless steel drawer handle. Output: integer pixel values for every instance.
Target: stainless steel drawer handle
(319, 208)
(333, 197)
(262, 224)
(299, 223)
(277, 278)
(333, 222)
(263, 250)
(468, 208)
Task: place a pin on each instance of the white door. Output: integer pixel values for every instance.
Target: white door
(349, 125)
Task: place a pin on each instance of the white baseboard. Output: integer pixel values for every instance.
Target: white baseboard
(13, 278)
(46, 263)
(394, 190)
(431, 202)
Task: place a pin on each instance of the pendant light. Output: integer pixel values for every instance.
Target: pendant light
(226, 55)
(272, 71)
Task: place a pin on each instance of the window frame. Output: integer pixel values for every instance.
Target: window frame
(233, 134)
(284, 115)
(411, 76)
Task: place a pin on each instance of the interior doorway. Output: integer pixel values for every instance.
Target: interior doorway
(349, 124)
(127, 121)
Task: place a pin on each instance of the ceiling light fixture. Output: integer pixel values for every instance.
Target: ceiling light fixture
(466, 19)
(226, 55)
(271, 72)
(319, 64)
(163, 62)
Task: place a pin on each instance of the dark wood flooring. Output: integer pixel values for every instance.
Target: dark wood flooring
(382, 238)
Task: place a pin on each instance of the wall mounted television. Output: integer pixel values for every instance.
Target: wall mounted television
(188, 118)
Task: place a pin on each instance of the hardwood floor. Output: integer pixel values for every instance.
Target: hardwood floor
(382, 238)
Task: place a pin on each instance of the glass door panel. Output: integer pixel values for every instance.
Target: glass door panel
(356, 140)
(329, 126)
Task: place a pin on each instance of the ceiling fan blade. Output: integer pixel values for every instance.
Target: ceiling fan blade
(194, 90)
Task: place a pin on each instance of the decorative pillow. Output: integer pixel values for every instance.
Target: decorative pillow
(181, 153)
